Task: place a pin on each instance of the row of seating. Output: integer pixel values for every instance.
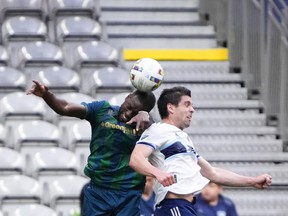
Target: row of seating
(49, 9)
(27, 28)
(59, 193)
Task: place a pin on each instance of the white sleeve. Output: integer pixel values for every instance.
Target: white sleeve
(153, 137)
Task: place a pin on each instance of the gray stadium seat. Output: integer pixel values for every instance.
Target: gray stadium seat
(108, 80)
(75, 134)
(19, 106)
(32, 55)
(65, 191)
(53, 161)
(77, 28)
(95, 54)
(35, 134)
(11, 80)
(11, 162)
(23, 28)
(22, 7)
(19, 188)
(73, 8)
(59, 79)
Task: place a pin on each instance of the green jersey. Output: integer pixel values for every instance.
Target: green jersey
(111, 145)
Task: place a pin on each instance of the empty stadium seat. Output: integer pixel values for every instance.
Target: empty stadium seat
(65, 192)
(53, 161)
(19, 188)
(20, 106)
(11, 80)
(11, 162)
(30, 210)
(118, 99)
(23, 28)
(35, 134)
(59, 79)
(77, 28)
(75, 134)
(58, 8)
(94, 54)
(32, 55)
(22, 7)
(108, 80)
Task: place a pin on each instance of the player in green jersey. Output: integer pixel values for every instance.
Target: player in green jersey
(115, 189)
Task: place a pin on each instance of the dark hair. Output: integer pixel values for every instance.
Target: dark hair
(173, 96)
(146, 98)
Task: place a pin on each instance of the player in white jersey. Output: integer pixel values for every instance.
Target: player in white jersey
(166, 152)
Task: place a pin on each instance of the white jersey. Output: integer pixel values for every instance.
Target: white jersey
(173, 153)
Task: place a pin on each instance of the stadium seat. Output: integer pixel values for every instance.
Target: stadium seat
(19, 188)
(11, 80)
(22, 7)
(118, 99)
(77, 28)
(4, 59)
(59, 79)
(107, 80)
(30, 210)
(94, 54)
(32, 55)
(23, 28)
(75, 133)
(35, 134)
(11, 162)
(53, 161)
(19, 106)
(88, 8)
(65, 192)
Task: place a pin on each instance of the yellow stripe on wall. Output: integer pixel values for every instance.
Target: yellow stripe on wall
(218, 54)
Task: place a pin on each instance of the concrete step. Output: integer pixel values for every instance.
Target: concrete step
(151, 5)
(167, 43)
(156, 31)
(149, 17)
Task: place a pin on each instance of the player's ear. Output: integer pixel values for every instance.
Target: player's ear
(170, 108)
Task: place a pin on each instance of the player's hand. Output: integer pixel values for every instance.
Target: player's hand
(142, 120)
(38, 89)
(263, 181)
(166, 179)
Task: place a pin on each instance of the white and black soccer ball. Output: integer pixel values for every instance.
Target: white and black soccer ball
(146, 74)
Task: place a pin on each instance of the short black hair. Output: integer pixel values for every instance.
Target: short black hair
(148, 99)
(173, 96)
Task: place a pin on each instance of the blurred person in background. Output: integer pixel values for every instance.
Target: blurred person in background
(211, 202)
(147, 203)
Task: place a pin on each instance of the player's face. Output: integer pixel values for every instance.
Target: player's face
(183, 112)
(130, 108)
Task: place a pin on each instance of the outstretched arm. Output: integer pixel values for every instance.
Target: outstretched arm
(139, 162)
(229, 178)
(60, 106)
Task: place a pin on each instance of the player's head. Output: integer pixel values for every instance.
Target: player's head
(175, 104)
(135, 102)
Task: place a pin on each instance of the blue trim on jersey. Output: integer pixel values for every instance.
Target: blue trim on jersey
(175, 148)
(148, 144)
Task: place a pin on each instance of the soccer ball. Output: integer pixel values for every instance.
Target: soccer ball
(146, 74)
